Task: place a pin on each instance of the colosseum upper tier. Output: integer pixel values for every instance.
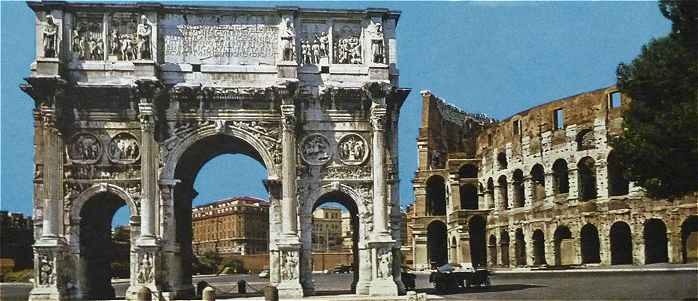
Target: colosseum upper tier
(542, 187)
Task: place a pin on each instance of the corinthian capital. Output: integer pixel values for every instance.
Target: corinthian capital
(378, 113)
(288, 117)
(148, 89)
(377, 91)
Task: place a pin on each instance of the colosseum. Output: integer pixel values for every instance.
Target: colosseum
(540, 188)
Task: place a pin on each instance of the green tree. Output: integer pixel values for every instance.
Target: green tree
(659, 147)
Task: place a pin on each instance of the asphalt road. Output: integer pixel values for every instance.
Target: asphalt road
(634, 285)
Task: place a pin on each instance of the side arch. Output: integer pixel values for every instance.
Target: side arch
(95, 189)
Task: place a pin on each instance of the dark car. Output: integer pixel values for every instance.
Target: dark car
(342, 268)
(408, 279)
(450, 277)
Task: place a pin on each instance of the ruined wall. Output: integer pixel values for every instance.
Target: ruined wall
(551, 191)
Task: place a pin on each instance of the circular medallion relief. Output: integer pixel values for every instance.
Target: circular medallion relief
(315, 149)
(84, 148)
(123, 148)
(352, 149)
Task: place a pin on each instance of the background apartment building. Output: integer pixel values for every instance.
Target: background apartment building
(235, 226)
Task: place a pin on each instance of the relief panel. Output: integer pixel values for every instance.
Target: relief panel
(347, 43)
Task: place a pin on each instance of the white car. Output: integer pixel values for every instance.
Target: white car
(264, 274)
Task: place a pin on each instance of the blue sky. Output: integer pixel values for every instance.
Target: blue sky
(497, 58)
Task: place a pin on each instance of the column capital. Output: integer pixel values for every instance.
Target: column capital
(146, 90)
(288, 117)
(378, 114)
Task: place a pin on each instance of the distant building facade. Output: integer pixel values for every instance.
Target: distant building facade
(235, 226)
(16, 239)
(327, 230)
(542, 187)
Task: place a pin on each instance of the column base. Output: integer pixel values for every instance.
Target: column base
(382, 256)
(383, 287)
(290, 289)
(363, 287)
(46, 293)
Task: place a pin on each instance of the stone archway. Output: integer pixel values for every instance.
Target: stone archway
(563, 246)
(538, 247)
(437, 243)
(656, 242)
(92, 212)
(492, 250)
(182, 165)
(589, 241)
(621, 243)
(478, 248)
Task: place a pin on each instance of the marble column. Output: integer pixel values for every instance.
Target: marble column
(148, 174)
(52, 176)
(288, 173)
(378, 113)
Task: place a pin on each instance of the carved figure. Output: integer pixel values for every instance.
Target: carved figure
(316, 149)
(77, 43)
(324, 44)
(123, 147)
(114, 42)
(385, 262)
(46, 271)
(85, 148)
(143, 38)
(50, 37)
(127, 52)
(375, 32)
(145, 269)
(352, 149)
(290, 264)
(287, 36)
(347, 49)
(305, 51)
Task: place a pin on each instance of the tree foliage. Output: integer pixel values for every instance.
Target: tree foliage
(659, 147)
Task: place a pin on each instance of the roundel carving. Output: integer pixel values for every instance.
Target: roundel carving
(352, 149)
(315, 149)
(124, 148)
(84, 148)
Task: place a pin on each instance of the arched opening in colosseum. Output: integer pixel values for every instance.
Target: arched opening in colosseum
(468, 171)
(492, 250)
(102, 257)
(586, 178)
(538, 181)
(504, 248)
(518, 185)
(689, 240)
(538, 247)
(618, 184)
(333, 240)
(585, 140)
(468, 197)
(621, 244)
(561, 182)
(453, 250)
(654, 234)
(206, 165)
(478, 249)
(490, 193)
(503, 191)
(502, 161)
(436, 196)
(589, 240)
(520, 247)
(563, 247)
(437, 243)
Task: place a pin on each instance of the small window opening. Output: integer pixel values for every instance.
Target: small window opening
(559, 119)
(517, 127)
(196, 67)
(614, 100)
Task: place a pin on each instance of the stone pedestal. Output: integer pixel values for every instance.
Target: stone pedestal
(147, 271)
(287, 70)
(145, 69)
(47, 66)
(290, 285)
(383, 283)
(51, 270)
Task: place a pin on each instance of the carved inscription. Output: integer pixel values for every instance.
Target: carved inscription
(225, 40)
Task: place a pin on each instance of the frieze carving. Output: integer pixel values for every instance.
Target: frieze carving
(47, 271)
(315, 149)
(49, 31)
(124, 149)
(145, 268)
(315, 44)
(109, 172)
(349, 172)
(287, 35)
(84, 149)
(87, 38)
(130, 39)
(375, 35)
(347, 43)
(289, 262)
(288, 117)
(352, 149)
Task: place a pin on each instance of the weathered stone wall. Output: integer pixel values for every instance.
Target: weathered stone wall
(540, 180)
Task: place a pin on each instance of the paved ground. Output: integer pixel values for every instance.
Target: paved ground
(626, 284)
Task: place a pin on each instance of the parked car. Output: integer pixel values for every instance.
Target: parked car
(342, 268)
(408, 279)
(264, 274)
(452, 276)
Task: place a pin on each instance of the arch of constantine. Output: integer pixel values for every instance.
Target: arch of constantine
(132, 99)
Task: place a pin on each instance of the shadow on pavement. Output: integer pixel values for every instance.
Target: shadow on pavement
(332, 292)
(475, 290)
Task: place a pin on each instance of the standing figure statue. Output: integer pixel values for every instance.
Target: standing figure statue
(143, 37)
(377, 50)
(50, 37)
(287, 41)
(114, 42)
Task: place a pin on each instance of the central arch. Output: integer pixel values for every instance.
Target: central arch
(182, 165)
